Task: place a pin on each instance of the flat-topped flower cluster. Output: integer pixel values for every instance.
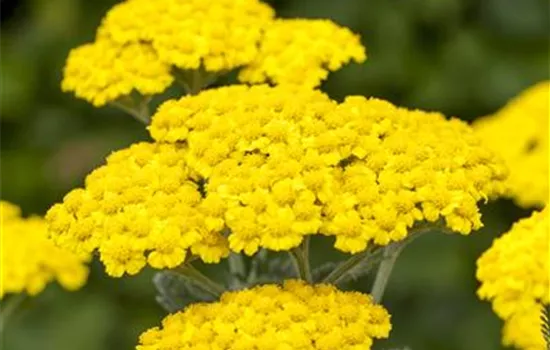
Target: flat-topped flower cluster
(250, 167)
(141, 45)
(293, 316)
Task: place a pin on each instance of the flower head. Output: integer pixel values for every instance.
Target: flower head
(519, 134)
(218, 35)
(294, 316)
(30, 260)
(105, 71)
(289, 162)
(514, 276)
(143, 207)
(302, 52)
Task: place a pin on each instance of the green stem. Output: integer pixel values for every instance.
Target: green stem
(300, 256)
(369, 257)
(391, 253)
(7, 308)
(342, 269)
(201, 280)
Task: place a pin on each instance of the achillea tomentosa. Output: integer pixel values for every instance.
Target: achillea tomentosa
(215, 36)
(29, 260)
(519, 134)
(514, 276)
(270, 317)
(268, 166)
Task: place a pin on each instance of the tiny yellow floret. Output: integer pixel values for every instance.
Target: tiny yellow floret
(271, 317)
(29, 260)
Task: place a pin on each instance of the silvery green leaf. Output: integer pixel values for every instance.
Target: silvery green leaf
(175, 291)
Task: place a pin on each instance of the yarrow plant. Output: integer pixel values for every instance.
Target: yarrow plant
(249, 172)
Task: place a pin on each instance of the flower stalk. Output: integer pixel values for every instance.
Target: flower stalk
(300, 257)
(201, 280)
(391, 253)
(8, 307)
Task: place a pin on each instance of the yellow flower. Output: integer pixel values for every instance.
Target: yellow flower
(291, 162)
(514, 275)
(30, 260)
(143, 207)
(523, 330)
(519, 134)
(270, 317)
(105, 71)
(218, 35)
(302, 52)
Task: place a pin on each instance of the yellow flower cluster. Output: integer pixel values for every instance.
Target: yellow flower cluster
(219, 34)
(140, 41)
(29, 260)
(295, 316)
(519, 133)
(103, 71)
(302, 52)
(515, 276)
(143, 206)
(290, 162)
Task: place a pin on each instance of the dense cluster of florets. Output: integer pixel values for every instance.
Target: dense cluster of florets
(143, 206)
(218, 35)
(104, 71)
(514, 275)
(140, 44)
(519, 134)
(29, 260)
(302, 52)
(270, 317)
(290, 162)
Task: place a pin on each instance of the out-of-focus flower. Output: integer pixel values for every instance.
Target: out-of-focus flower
(302, 52)
(143, 207)
(515, 276)
(519, 134)
(294, 316)
(289, 162)
(29, 260)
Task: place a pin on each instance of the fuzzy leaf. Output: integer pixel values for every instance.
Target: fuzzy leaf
(176, 291)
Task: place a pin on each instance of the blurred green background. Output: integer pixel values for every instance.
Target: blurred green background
(465, 58)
